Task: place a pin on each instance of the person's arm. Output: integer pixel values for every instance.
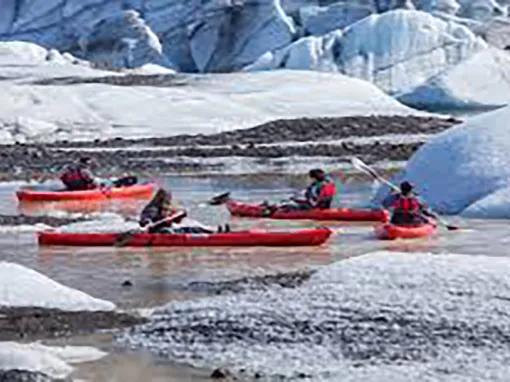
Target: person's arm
(148, 215)
(88, 176)
(424, 209)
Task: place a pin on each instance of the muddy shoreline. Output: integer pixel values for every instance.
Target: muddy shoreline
(373, 138)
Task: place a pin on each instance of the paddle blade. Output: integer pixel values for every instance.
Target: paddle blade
(362, 166)
(123, 238)
(452, 228)
(219, 199)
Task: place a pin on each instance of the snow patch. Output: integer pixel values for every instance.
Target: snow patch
(186, 104)
(24, 287)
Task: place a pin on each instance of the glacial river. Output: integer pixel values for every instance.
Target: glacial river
(162, 275)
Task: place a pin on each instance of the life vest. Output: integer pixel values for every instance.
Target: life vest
(328, 189)
(321, 194)
(73, 177)
(406, 205)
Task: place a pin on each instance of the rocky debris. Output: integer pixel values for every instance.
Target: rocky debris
(223, 374)
(283, 280)
(128, 79)
(16, 375)
(278, 139)
(297, 130)
(35, 323)
(13, 220)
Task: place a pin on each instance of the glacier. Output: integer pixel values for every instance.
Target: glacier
(191, 35)
(397, 50)
(488, 86)
(206, 36)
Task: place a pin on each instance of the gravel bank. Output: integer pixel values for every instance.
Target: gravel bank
(374, 138)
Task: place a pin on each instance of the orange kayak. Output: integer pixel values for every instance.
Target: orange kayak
(390, 231)
(331, 214)
(303, 237)
(136, 191)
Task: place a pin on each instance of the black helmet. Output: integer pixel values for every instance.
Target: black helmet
(317, 174)
(406, 187)
(85, 160)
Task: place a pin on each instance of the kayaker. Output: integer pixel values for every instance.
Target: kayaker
(77, 176)
(407, 208)
(161, 207)
(320, 193)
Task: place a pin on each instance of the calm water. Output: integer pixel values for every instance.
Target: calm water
(160, 275)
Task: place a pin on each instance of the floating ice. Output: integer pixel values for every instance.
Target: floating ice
(465, 166)
(382, 316)
(50, 360)
(24, 287)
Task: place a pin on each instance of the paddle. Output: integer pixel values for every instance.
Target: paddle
(363, 167)
(220, 199)
(124, 237)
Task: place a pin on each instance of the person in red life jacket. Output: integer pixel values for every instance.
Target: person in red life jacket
(319, 194)
(78, 177)
(407, 208)
(321, 191)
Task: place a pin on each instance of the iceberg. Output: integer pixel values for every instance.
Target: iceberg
(488, 86)
(24, 287)
(51, 361)
(378, 317)
(466, 168)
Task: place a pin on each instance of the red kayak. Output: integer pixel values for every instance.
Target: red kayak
(305, 237)
(136, 191)
(390, 231)
(331, 214)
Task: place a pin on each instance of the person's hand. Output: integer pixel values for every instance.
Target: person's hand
(179, 219)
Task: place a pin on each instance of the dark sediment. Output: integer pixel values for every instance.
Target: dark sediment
(275, 139)
(283, 280)
(16, 375)
(297, 130)
(31, 220)
(36, 323)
